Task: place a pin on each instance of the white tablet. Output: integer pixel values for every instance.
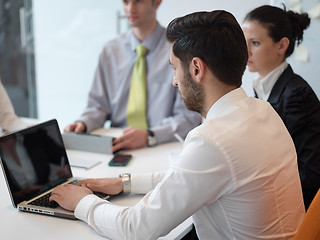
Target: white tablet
(87, 142)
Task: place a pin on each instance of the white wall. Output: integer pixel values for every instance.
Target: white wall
(69, 36)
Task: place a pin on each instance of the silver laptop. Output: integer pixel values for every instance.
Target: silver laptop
(34, 161)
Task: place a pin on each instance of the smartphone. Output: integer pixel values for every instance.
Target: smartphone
(120, 160)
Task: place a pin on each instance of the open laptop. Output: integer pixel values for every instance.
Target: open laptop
(34, 161)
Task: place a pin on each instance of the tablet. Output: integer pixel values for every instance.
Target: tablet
(87, 142)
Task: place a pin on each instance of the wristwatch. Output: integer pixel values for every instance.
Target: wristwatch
(152, 141)
(126, 180)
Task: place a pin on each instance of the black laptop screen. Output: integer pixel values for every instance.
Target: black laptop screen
(34, 160)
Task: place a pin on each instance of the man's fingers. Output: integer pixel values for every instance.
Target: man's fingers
(79, 128)
(69, 128)
(118, 146)
(55, 197)
(119, 140)
(56, 190)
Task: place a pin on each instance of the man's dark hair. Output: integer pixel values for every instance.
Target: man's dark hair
(216, 38)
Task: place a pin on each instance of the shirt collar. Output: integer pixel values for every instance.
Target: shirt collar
(263, 86)
(151, 42)
(223, 104)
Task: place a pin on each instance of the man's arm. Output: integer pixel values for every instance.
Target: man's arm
(177, 196)
(98, 106)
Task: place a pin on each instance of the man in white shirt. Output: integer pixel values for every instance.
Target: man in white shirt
(237, 174)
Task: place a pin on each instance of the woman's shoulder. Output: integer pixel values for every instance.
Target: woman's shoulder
(294, 82)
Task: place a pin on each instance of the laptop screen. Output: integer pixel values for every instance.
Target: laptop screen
(34, 160)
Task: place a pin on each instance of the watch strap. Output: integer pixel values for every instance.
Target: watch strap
(126, 180)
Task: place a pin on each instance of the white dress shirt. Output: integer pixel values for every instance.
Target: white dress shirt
(108, 96)
(237, 176)
(9, 121)
(263, 86)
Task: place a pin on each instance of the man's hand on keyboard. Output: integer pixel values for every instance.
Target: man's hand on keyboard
(68, 196)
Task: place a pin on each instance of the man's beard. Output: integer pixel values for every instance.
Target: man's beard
(193, 94)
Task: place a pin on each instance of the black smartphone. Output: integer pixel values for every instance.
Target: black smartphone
(120, 160)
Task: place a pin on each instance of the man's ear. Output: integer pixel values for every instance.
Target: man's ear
(197, 69)
(283, 45)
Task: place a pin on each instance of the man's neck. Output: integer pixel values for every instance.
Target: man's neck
(215, 95)
(142, 33)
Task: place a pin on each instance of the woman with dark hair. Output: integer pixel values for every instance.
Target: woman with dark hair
(271, 34)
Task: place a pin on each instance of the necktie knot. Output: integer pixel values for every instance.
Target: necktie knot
(141, 50)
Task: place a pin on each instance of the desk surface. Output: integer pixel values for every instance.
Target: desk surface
(16, 225)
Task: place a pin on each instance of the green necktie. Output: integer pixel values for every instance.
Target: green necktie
(136, 109)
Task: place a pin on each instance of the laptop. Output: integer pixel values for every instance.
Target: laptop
(34, 161)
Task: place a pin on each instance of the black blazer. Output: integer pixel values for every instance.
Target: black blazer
(299, 108)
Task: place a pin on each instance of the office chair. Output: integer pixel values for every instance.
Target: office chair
(310, 225)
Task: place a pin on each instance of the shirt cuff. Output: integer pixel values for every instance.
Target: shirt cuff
(82, 209)
(163, 134)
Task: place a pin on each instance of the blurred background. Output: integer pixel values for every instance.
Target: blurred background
(49, 48)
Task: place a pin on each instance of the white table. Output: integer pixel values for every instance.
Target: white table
(16, 225)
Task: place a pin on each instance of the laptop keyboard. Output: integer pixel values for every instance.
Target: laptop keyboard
(44, 202)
